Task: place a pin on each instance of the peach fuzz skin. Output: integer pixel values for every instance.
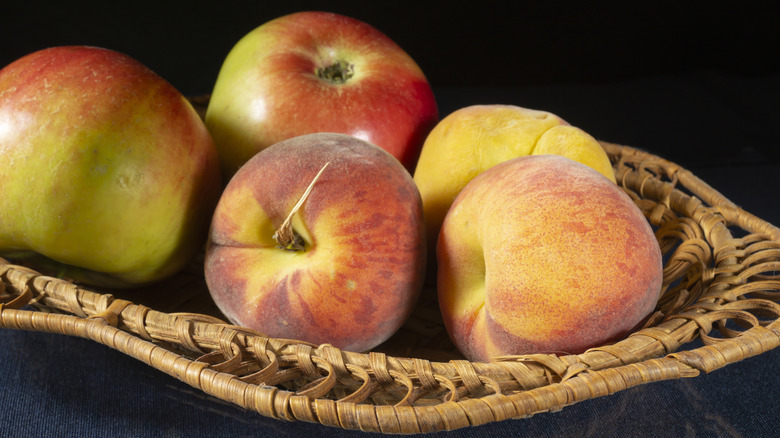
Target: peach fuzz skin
(361, 270)
(541, 254)
(477, 137)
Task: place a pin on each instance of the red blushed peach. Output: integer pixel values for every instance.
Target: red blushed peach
(541, 254)
(356, 271)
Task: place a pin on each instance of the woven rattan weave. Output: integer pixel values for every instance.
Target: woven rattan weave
(721, 285)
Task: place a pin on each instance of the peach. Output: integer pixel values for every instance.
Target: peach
(475, 138)
(541, 254)
(353, 266)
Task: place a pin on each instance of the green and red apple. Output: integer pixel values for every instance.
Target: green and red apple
(311, 72)
(108, 173)
(542, 254)
(349, 267)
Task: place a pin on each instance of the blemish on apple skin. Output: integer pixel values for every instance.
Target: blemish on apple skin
(128, 181)
(100, 169)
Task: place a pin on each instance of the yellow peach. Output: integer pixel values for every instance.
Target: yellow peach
(574, 143)
(475, 138)
(541, 254)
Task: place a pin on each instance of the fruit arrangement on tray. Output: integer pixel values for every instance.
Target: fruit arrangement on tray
(310, 240)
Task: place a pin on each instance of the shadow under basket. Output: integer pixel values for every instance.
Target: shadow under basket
(721, 285)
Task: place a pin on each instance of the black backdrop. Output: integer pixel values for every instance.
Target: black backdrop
(474, 43)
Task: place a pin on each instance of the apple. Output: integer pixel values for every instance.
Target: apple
(542, 254)
(109, 175)
(318, 238)
(476, 138)
(313, 72)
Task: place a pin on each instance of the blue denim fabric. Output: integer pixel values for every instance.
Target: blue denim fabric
(58, 386)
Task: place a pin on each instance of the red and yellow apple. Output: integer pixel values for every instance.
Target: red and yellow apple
(108, 173)
(313, 72)
(541, 254)
(348, 270)
(475, 138)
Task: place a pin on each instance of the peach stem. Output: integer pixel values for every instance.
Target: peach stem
(285, 237)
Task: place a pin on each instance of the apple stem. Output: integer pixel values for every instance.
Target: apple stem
(338, 72)
(286, 238)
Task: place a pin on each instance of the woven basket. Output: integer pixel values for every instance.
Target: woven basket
(721, 284)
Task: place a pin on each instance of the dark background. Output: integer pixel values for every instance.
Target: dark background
(474, 43)
(563, 57)
(696, 82)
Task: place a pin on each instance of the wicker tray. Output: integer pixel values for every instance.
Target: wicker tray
(721, 284)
